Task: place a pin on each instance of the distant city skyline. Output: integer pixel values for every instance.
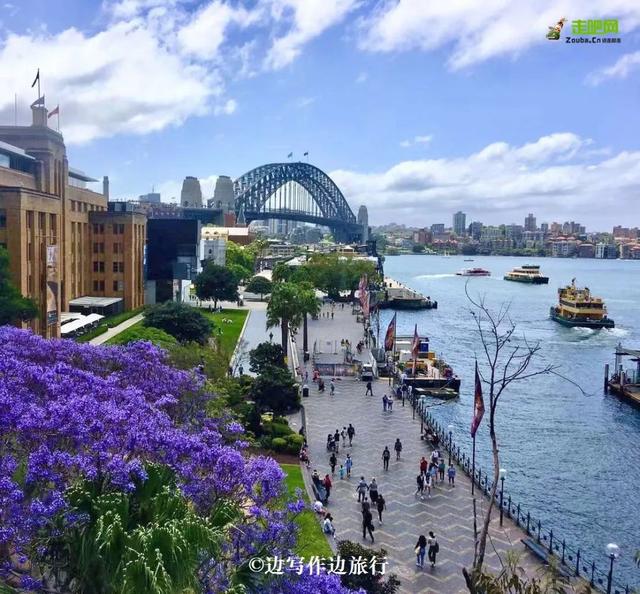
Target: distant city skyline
(411, 109)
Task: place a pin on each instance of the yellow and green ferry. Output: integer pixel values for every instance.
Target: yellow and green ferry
(577, 307)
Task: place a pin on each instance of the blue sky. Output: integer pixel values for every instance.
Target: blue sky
(415, 109)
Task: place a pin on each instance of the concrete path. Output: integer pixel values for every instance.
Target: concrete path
(449, 511)
(115, 331)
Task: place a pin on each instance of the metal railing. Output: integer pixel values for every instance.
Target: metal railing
(570, 559)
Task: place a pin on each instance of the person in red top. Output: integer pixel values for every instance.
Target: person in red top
(327, 484)
(423, 465)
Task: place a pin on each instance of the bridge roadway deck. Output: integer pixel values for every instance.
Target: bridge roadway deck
(449, 511)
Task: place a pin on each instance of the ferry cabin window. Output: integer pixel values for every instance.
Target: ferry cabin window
(4, 160)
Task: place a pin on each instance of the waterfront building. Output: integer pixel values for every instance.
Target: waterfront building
(563, 248)
(556, 228)
(422, 236)
(64, 240)
(626, 232)
(586, 250)
(152, 197)
(174, 258)
(544, 227)
(437, 228)
(530, 223)
(460, 223)
(475, 230)
(191, 194)
(606, 251)
(515, 233)
(533, 239)
(215, 249)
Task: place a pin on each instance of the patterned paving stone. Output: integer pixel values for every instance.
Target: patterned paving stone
(448, 512)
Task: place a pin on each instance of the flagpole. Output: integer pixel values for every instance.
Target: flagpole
(473, 466)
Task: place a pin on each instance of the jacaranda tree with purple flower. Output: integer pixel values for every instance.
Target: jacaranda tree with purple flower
(73, 414)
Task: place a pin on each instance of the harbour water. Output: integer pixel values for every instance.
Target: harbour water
(572, 455)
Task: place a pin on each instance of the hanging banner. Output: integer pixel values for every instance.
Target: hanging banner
(52, 284)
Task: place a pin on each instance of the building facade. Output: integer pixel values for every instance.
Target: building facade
(460, 223)
(47, 217)
(530, 223)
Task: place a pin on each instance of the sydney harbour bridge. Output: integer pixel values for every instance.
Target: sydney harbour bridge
(300, 192)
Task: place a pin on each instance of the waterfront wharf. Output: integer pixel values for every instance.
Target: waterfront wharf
(396, 295)
(449, 510)
(624, 383)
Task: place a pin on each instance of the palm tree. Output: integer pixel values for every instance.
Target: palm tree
(285, 309)
(310, 307)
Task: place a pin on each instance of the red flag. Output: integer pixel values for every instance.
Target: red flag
(414, 347)
(478, 405)
(55, 111)
(390, 336)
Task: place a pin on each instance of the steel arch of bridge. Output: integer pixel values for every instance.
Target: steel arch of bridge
(253, 189)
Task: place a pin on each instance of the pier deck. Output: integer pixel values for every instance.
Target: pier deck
(449, 511)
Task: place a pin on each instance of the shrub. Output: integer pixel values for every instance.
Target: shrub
(280, 430)
(281, 420)
(278, 444)
(294, 443)
(275, 390)
(183, 322)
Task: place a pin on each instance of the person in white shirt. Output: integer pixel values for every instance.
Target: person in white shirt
(327, 525)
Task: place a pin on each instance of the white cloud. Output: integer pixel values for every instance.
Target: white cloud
(126, 82)
(309, 19)
(227, 108)
(477, 31)
(552, 176)
(362, 77)
(620, 69)
(303, 102)
(426, 139)
(205, 32)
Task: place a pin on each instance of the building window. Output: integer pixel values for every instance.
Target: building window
(118, 285)
(98, 266)
(116, 247)
(73, 205)
(42, 220)
(3, 219)
(118, 266)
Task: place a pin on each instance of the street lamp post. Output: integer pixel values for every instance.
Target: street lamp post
(270, 336)
(613, 551)
(502, 473)
(450, 442)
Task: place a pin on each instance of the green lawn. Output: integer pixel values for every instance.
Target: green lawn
(109, 322)
(229, 332)
(311, 539)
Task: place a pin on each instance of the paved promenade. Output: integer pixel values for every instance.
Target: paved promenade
(449, 511)
(102, 338)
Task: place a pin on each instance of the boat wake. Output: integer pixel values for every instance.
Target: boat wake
(422, 276)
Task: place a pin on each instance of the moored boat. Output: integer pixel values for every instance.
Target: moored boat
(577, 307)
(527, 273)
(432, 374)
(473, 272)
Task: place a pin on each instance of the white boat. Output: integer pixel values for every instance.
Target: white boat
(473, 272)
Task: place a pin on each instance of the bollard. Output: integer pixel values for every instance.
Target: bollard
(563, 547)
(578, 563)
(606, 377)
(593, 571)
(518, 516)
(551, 541)
(509, 507)
(539, 528)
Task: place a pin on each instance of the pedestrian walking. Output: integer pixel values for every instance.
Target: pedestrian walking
(327, 525)
(367, 525)
(351, 432)
(361, 489)
(348, 463)
(434, 548)
(369, 391)
(381, 505)
(386, 456)
(441, 469)
(384, 403)
(341, 472)
(424, 465)
(427, 485)
(366, 506)
(421, 548)
(333, 460)
(433, 471)
(373, 491)
(398, 448)
(390, 404)
(332, 314)
(420, 483)
(451, 473)
(327, 484)
(332, 388)
(306, 377)
(336, 438)
(343, 433)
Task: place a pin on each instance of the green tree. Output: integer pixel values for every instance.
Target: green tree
(264, 355)
(259, 285)
(13, 306)
(373, 583)
(183, 322)
(147, 541)
(217, 283)
(418, 248)
(309, 306)
(139, 332)
(241, 261)
(284, 309)
(275, 389)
